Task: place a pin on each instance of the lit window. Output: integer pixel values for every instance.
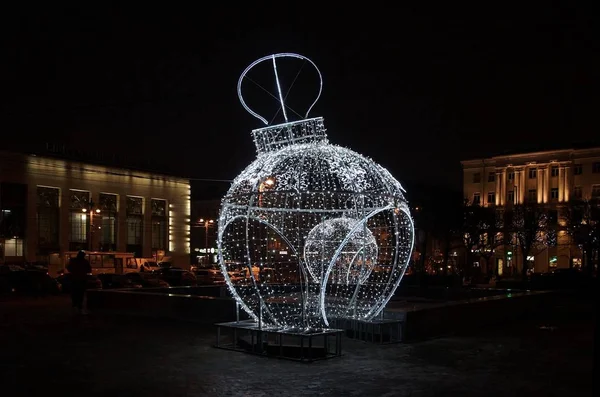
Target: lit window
(78, 222)
(159, 224)
(13, 247)
(109, 204)
(134, 212)
(134, 230)
(532, 173)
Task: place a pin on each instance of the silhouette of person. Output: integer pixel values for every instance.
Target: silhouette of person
(79, 268)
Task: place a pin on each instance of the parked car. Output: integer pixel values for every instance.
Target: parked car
(178, 277)
(111, 280)
(150, 267)
(165, 265)
(93, 282)
(43, 266)
(214, 275)
(10, 268)
(147, 280)
(28, 282)
(268, 274)
(209, 276)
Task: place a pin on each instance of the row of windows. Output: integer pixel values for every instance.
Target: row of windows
(532, 195)
(577, 170)
(80, 200)
(88, 219)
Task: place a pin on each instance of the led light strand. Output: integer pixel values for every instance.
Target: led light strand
(279, 89)
(311, 232)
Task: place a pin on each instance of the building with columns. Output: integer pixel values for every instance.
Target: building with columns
(52, 206)
(550, 178)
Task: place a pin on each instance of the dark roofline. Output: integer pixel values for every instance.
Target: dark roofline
(61, 152)
(542, 147)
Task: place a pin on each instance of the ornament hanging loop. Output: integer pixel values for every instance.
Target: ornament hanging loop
(280, 97)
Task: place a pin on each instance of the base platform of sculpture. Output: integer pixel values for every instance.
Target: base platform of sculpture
(299, 345)
(379, 330)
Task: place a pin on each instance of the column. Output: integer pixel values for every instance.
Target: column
(498, 188)
(517, 182)
(547, 171)
(567, 186)
(561, 183)
(540, 185)
(522, 186)
(503, 188)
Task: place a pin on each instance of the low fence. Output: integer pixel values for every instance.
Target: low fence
(177, 304)
(465, 316)
(209, 305)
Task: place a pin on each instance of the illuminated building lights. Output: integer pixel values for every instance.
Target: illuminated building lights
(316, 231)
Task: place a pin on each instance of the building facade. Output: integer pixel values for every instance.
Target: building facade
(549, 178)
(52, 206)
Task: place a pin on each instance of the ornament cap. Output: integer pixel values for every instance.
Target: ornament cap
(275, 137)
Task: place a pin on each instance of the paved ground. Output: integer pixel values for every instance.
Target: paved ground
(45, 351)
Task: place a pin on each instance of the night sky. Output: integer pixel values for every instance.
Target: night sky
(416, 90)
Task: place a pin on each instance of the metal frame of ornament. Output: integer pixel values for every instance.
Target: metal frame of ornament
(315, 232)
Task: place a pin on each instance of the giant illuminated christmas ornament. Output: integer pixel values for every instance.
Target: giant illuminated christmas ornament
(311, 232)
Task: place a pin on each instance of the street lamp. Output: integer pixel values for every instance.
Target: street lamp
(90, 209)
(207, 223)
(269, 182)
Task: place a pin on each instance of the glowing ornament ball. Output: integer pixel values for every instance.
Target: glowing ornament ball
(354, 264)
(318, 231)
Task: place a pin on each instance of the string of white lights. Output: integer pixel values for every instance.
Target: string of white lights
(314, 231)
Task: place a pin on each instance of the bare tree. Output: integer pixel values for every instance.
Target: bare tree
(492, 236)
(446, 226)
(533, 229)
(582, 221)
(472, 231)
